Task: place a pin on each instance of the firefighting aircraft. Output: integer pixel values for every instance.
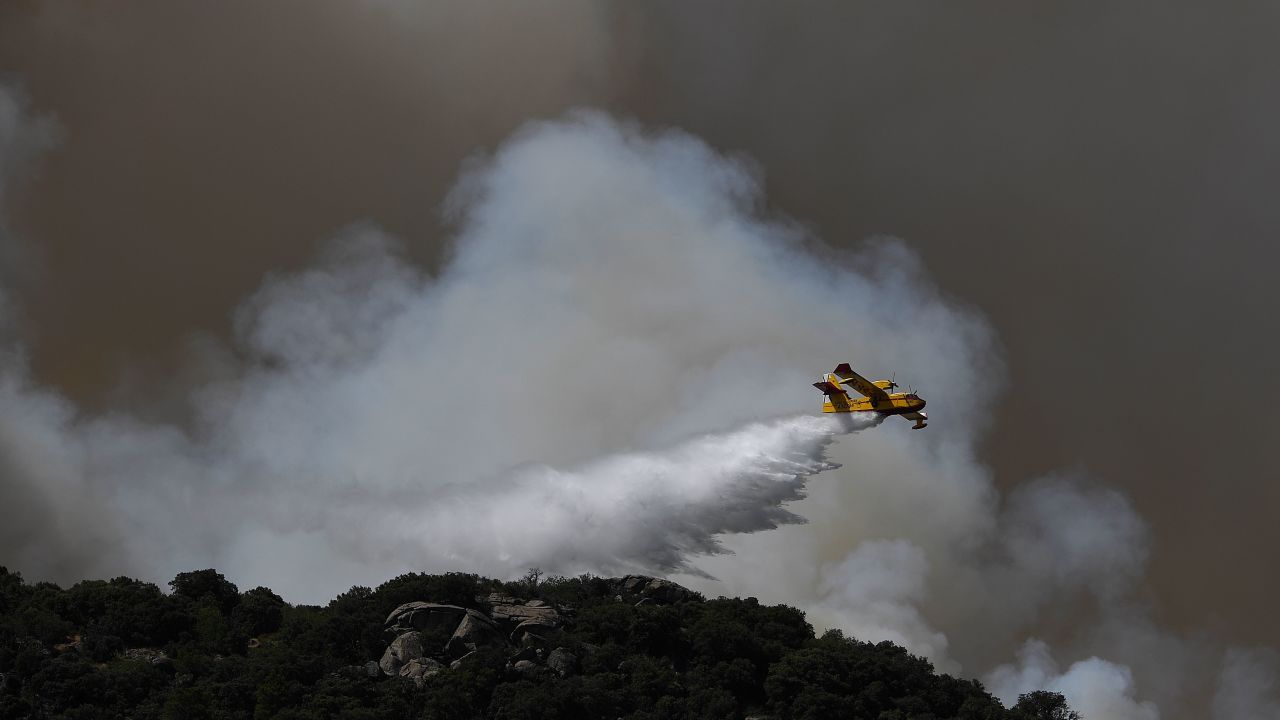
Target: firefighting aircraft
(878, 396)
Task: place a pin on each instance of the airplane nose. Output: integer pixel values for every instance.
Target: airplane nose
(922, 404)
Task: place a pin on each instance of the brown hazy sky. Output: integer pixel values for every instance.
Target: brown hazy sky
(1098, 178)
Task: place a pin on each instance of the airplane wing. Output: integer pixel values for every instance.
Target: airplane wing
(857, 382)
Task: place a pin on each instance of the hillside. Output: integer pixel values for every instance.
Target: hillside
(453, 646)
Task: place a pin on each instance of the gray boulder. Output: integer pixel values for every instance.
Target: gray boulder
(407, 646)
(524, 666)
(425, 617)
(473, 631)
(534, 632)
(652, 589)
(419, 669)
(515, 614)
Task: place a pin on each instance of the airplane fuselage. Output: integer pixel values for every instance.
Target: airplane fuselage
(895, 404)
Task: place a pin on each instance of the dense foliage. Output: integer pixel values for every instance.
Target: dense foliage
(123, 648)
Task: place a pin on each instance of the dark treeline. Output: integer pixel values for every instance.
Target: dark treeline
(125, 649)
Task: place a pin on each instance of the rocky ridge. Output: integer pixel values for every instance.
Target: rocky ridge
(428, 638)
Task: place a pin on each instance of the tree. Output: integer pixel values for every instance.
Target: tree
(200, 584)
(531, 578)
(260, 611)
(1043, 705)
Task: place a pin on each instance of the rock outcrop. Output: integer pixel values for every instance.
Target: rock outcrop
(518, 612)
(531, 622)
(424, 617)
(433, 637)
(642, 588)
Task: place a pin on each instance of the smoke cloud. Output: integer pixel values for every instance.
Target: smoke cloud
(612, 292)
(1094, 687)
(876, 591)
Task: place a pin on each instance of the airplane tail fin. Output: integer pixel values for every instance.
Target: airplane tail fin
(837, 396)
(831, 388)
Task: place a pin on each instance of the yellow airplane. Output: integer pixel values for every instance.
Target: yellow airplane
(876, 396)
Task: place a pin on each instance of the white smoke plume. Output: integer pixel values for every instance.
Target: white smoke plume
(876, 591)
(611, 293)
(1093, 687)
